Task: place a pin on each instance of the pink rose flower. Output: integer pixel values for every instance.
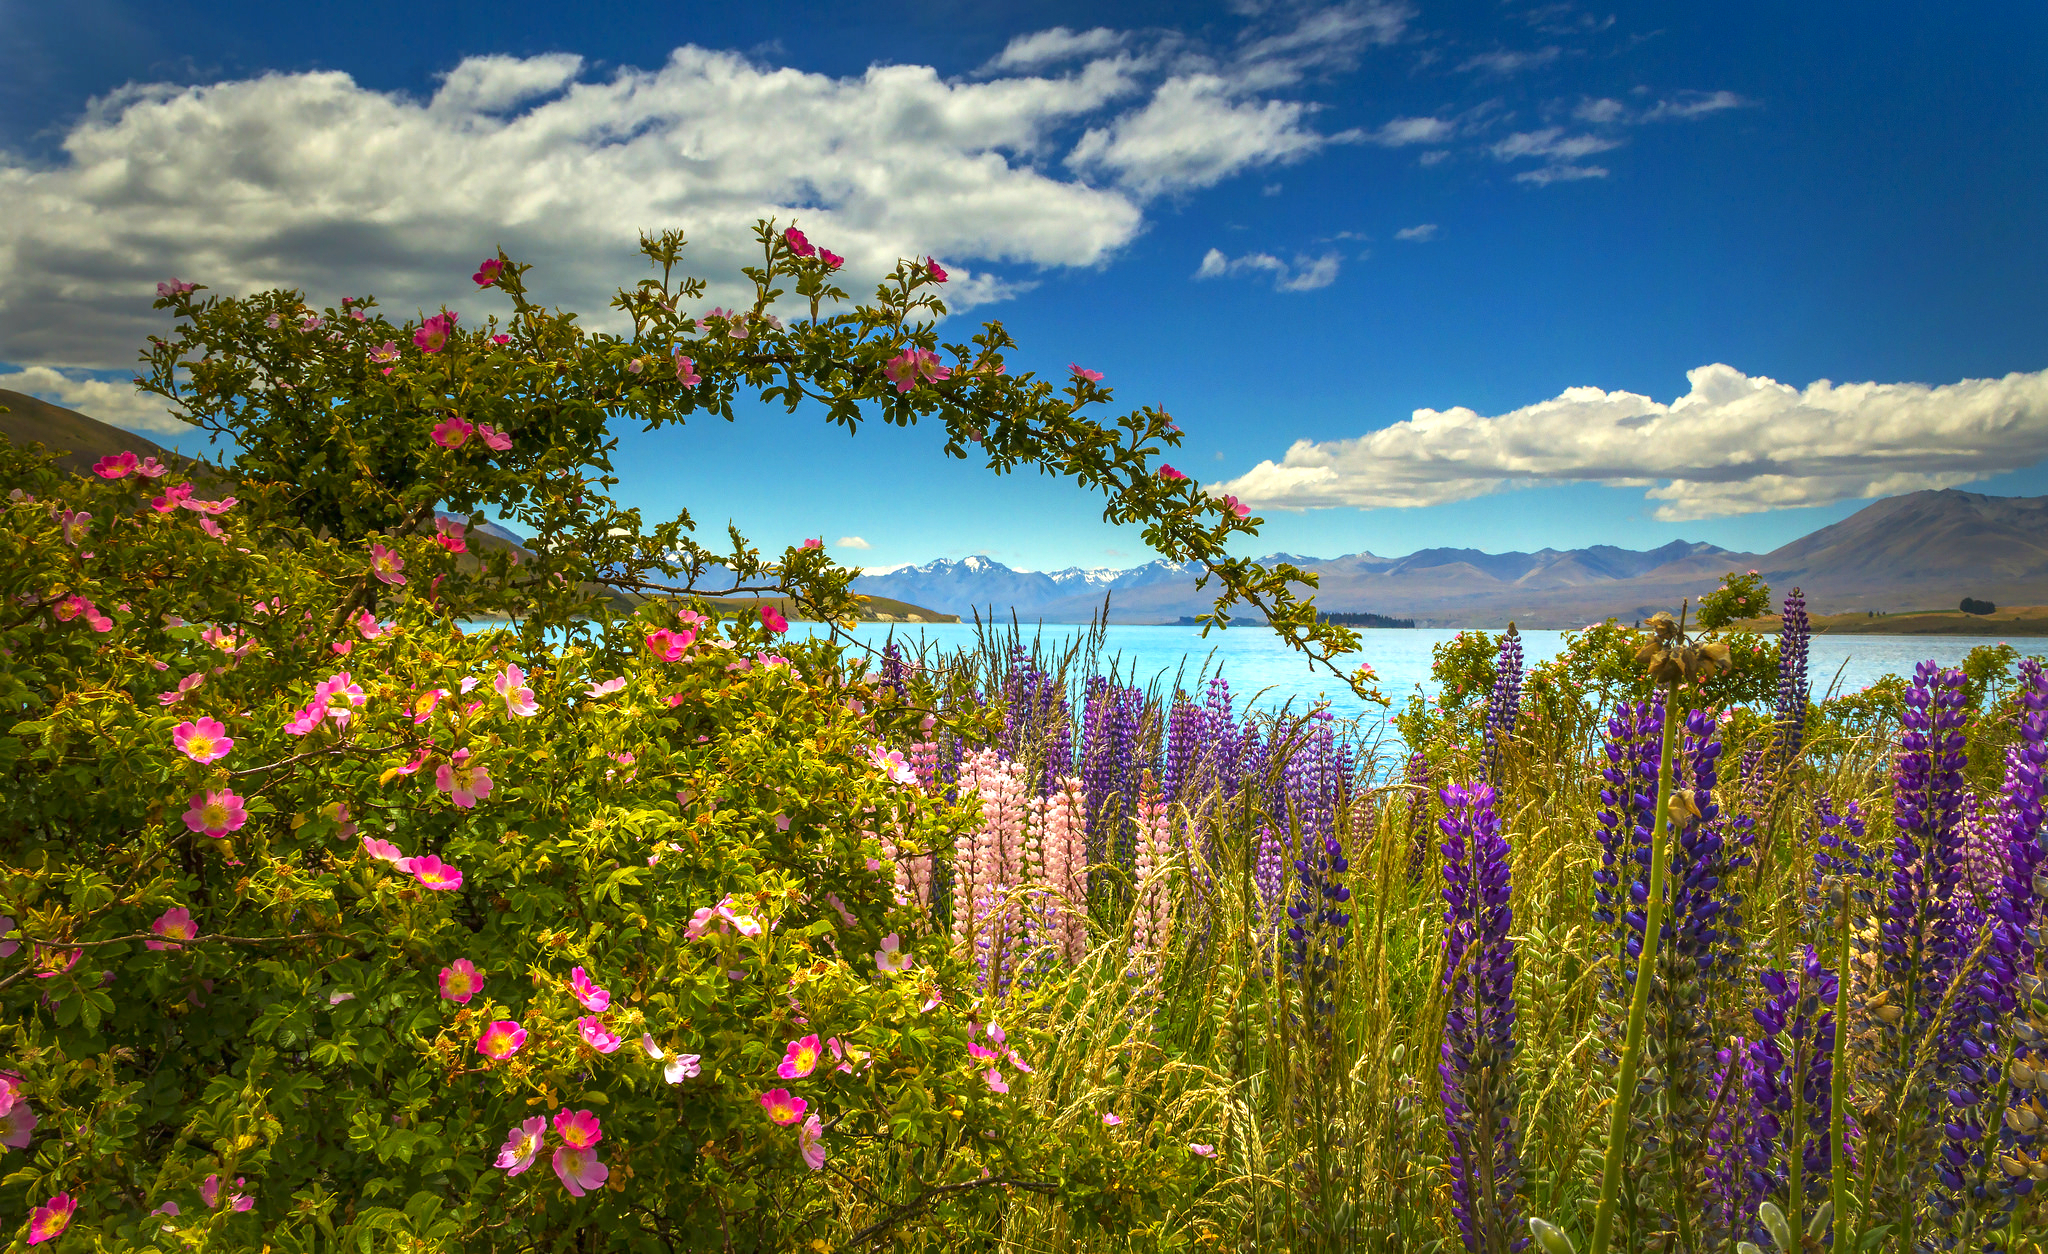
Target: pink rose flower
(465, 784)
(432, 873)
(487, 273)
(204, 741)
(174, 924)
(596, 1035)
(501, 1040)
(522, 1144)
(460, 981)
(591, 995)
(433, 334)
(783, 1108)
(216, 814)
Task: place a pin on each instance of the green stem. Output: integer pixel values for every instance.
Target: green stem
(1639, 1002)
(1838, 1117)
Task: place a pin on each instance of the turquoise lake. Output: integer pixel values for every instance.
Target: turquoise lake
(1258, 665)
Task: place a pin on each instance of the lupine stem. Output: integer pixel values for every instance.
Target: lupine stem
(1838, 1118)
(1639, 1001)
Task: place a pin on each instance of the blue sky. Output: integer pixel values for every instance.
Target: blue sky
(1592, 197)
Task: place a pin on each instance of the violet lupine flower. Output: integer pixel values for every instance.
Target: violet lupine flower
(1702, 924)
(1633, 743)
(1319, 923)
(1794, 692)
(1793, 1064)
(1415, 775)
(1111, 728)
(1269, 873)
(2019, 797)
(1503, 707)
(1223, 750)
(1036, 720)
(1982, 852)
(1187, 728)
(1735, 1181)
(1479, 1023)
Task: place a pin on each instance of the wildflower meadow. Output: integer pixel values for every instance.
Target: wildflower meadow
(630, 924)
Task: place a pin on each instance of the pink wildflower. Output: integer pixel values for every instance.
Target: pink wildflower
(433, 334)
(501, 1040)
(460, 981)
(432, 873)
(799, 1059)
(10, 1085)
(686, 371)
(580, 1130)
(1237, 507)
(452, 534)
(75, 524)
(937, 271)
(312, 322)
(452, 432)
(386, 564)
(798, 245)
(172, 498)
(383, 353)
(670, 646)
(579, 1170)
(501, 339)
(592, 995)
(904, 369)
(487, 273)
(494, 439)
(216, 814)
(151, 468)
(815, 543)
(510, 684)
(384, 851)
(1092, 376)
(522, 1144)
(811, 1143)
(831, 259)
(175, 287)
(1169, 473)
(115, 466)
(18, 1125)
(772, 619)
(783, 1108)
(185, 685)
(1110, 1120)
(596, 1035)
(204, 741)
(1201, 1151)
(607, 688)
(682, 1067)
(891, 959)
(465, 785)
(48, 1221)
(174, 924)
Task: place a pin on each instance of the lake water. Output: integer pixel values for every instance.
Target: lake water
(1256, 662)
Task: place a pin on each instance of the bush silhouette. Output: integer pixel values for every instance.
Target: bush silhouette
(1972, 605)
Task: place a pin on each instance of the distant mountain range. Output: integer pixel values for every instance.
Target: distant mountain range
(1923, 550)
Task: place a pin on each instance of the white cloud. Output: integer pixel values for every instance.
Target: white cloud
(1403, 131)
(1601, 111)
(1050, 47)
(1504, 62)
(1553, 143)
(1196, 131)
(1731, 445)
(116, 403)
(854, 542)
(1420, 234)
(1694, 104)
(1561, 174)
(1306, 274)
(311, 180)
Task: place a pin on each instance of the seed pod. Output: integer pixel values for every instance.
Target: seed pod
(1549, 1237)
(1778, 1226)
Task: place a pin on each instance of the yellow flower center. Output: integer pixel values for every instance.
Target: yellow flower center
(213, 814)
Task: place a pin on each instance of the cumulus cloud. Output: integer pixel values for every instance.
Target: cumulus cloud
(854, 542)
(1693, 104)
(1306, 274)
(314, 181)
(111, 402)
(1420, 234)
(1732, 444)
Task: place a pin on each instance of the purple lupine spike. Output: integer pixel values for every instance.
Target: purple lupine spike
(1224, 751)
(893, 671)
(1632, 744)
(1735, 1180)
(1187, 728)
(2019, 797)
(1794, 1066)
(1479, 1023)
(1794, 693)
(1503, 707)
(1981, 846)
(1415, 775)
(1110, 730)
(1319, 923)
(1703, 925)
(1269, 873)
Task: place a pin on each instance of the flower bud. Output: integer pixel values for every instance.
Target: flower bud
(1549, 1237)
(1777, 1225)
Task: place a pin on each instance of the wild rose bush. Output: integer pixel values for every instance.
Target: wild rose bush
(326, 919)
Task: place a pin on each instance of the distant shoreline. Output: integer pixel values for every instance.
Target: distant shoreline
(2019, 620)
